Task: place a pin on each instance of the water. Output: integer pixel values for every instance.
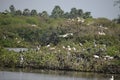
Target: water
(55, 75)
(17, 49)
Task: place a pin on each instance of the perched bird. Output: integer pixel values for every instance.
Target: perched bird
(112, 78)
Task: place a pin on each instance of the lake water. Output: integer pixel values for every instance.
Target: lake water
(17, 49)
(55, 75)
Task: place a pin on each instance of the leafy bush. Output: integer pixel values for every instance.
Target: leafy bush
(32, 20)
(8, 58)
(112, 51)
(104, 22)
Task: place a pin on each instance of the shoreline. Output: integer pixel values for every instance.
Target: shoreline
(63, 61)
(31, 69)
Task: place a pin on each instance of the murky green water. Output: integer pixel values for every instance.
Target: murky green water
(55, 75)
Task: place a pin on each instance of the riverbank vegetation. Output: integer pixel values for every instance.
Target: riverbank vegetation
(63, 40)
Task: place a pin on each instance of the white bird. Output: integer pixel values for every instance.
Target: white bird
(21, 59)
(112, 78)
(69, 48)
(66, 35)
(96, 56)
(74, 48)
(81, 44)
(63, 47)
(101, 33)
(48, 45)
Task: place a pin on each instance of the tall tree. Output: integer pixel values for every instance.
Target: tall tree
(80, 12)
(44, 14)
(57, 12)
(87, 15)
(18, 12)
(117, 3)
(67, 15)
(12, 9)
(73, 13)
(26, 12)
(33, 12)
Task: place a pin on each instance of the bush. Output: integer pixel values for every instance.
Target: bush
(8, 58)
(32, 20)
(49, 36)
(112, 50)
(103, 21)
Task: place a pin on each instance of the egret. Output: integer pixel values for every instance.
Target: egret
(112, 78)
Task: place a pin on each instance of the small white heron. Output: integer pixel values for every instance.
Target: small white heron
(112, 78)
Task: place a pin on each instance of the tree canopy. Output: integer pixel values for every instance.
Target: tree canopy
(12, 9)
(57, 12)
(33, 12)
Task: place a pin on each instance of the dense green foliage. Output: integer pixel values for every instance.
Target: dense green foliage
(87, 37)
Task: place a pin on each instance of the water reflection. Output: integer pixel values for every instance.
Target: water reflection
(55, 75)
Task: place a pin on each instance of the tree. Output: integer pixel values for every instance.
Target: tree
(73, 13)
(33, 12)
(48, 36)
(87, 15)
(12, 9)
(26, 12)
(67, 15)
(18, 12)
(44, 14)
(57, 12)
(80, 12)
(118, 19)
(117, 3)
